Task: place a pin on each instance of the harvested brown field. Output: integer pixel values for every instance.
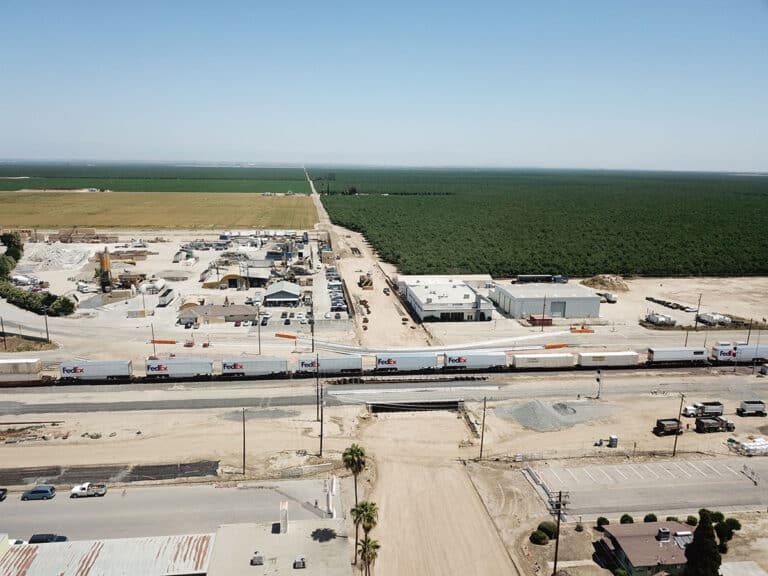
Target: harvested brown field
(171, 210)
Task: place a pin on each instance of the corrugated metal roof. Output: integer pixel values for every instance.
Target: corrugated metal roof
(550, 291)
(151, 556)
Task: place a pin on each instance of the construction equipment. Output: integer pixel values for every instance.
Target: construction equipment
(365, 282)
(105, 272)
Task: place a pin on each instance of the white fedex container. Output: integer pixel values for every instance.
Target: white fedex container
(253, 366)
(179, 368)
(406, 362)
(468, 360)
(93, 370)
(330, 364)
(689, 354)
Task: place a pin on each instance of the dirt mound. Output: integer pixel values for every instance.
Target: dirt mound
(607, 282)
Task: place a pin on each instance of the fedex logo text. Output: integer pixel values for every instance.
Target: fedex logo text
(386, 362)
(457, 360)
(232, 366)
(157, 368)
(306, 364)
(73, 370)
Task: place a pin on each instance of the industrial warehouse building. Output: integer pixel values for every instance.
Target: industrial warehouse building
(444, 299)
(283, 293)
(555, 300)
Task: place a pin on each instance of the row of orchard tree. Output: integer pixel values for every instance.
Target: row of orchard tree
(365, 513)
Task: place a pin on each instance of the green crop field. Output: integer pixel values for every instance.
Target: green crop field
(576, 223)
(151, 178)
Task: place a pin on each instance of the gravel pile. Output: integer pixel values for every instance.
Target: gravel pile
(607, 282)
(43, 257)
(538, 415)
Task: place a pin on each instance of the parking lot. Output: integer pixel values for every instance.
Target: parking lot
(662, 487)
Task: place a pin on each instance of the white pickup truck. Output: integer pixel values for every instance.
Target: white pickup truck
(88, 489)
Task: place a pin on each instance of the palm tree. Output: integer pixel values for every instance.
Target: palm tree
(369, 551)
(354, 461)
(365, 514)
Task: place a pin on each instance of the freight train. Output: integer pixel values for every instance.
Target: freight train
(20, 372)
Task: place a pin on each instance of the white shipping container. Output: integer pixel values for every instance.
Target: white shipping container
(253, 366)
(406, 362)
(91, 370)
(330, 364)
(691, 354)
(475, 360)
(21, 366)
(749, 353)
(179, 368)
(614, 359)
(543, 360)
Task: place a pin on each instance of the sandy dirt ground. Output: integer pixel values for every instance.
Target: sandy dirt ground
(431, 519)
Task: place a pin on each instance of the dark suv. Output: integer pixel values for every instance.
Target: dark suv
(3, 493)
(46, 538)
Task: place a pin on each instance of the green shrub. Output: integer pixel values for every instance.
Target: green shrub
(722, 547)
(650, 518)
(579, 527)
(538, 537)
(717, 517)
(733, 523)
(620, 572)
(673, 519)
(691, 520)
(602, 521)
(627, 519)
(549, 528)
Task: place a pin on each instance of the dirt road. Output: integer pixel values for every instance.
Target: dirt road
(431, 520)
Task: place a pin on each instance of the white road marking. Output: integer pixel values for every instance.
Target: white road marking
(572, 474)
(732, 470)
(606, 475)
(651, 471)
(668, 471)
(590, 475)
(692, 465)
(715, 470)
(621, 473)
(556, 476)
(682, 470)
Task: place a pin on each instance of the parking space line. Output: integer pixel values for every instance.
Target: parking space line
(668, 471)
(731, 469)
(715, 470)
(692, 465)
(590, 475)
(651, 471)
(572, 474)
(620, 473)
(606, 475)
(630, 467)
(556, 476)
(682, 470)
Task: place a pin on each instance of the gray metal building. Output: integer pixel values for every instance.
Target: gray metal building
(555, 300)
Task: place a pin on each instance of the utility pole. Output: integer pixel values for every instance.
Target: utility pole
(258, 322)
(243, 441)
(322, 418)
(2, 329)
(482, 430)
(317, 386)
(543, 311)
(749, 330)
(562, 501)
(47, 336)
(679, 416)
(696, 321)
(154, 346)
(599, 383)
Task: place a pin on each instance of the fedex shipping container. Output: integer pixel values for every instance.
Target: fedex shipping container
(750, 353)
(88, 370)
(475, 360)
(179, 368)
(406, 362)
(253, 366)
(608, 359)
(692, 354)
(21, 370)
(330, 364)
(524, 361)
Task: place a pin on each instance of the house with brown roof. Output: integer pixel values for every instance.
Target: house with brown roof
(645, 549)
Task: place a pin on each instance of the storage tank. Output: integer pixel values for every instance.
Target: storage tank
(406, 362)
(690, 354)
(264, 366)
(470, 360)
(526, 361)
(608, 359)
(330, 364)
(96, 370)
(179, 368)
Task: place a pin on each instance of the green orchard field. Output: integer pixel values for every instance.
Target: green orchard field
(151, 178)
(576, 223)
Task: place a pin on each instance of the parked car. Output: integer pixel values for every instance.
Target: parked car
(264, 321)
(291, 315)
(88, 489)
(43, 492)
(283, 314)
(287, 321)
(3, 493)
(237, 324)
(46, 538)
(337, 316)
(245, 323)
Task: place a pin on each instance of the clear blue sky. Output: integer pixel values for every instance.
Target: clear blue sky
(657, 84)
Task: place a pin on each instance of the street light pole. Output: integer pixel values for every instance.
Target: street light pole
(243, 441)
(322, 418)
(482, 430)
(154, 345)
(317, 386)
(258, 322)
(679, 415)
(47, 336)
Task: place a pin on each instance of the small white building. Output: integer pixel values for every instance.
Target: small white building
(444, 299)
(555, 300)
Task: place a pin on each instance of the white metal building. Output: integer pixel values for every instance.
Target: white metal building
(555, 300)
(283, 293)
(441, 299)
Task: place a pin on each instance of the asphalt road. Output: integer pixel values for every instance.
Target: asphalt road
(157, 511)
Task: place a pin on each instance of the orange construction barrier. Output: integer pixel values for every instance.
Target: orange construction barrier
(553, 346)
(162, 341)
(288, 336)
